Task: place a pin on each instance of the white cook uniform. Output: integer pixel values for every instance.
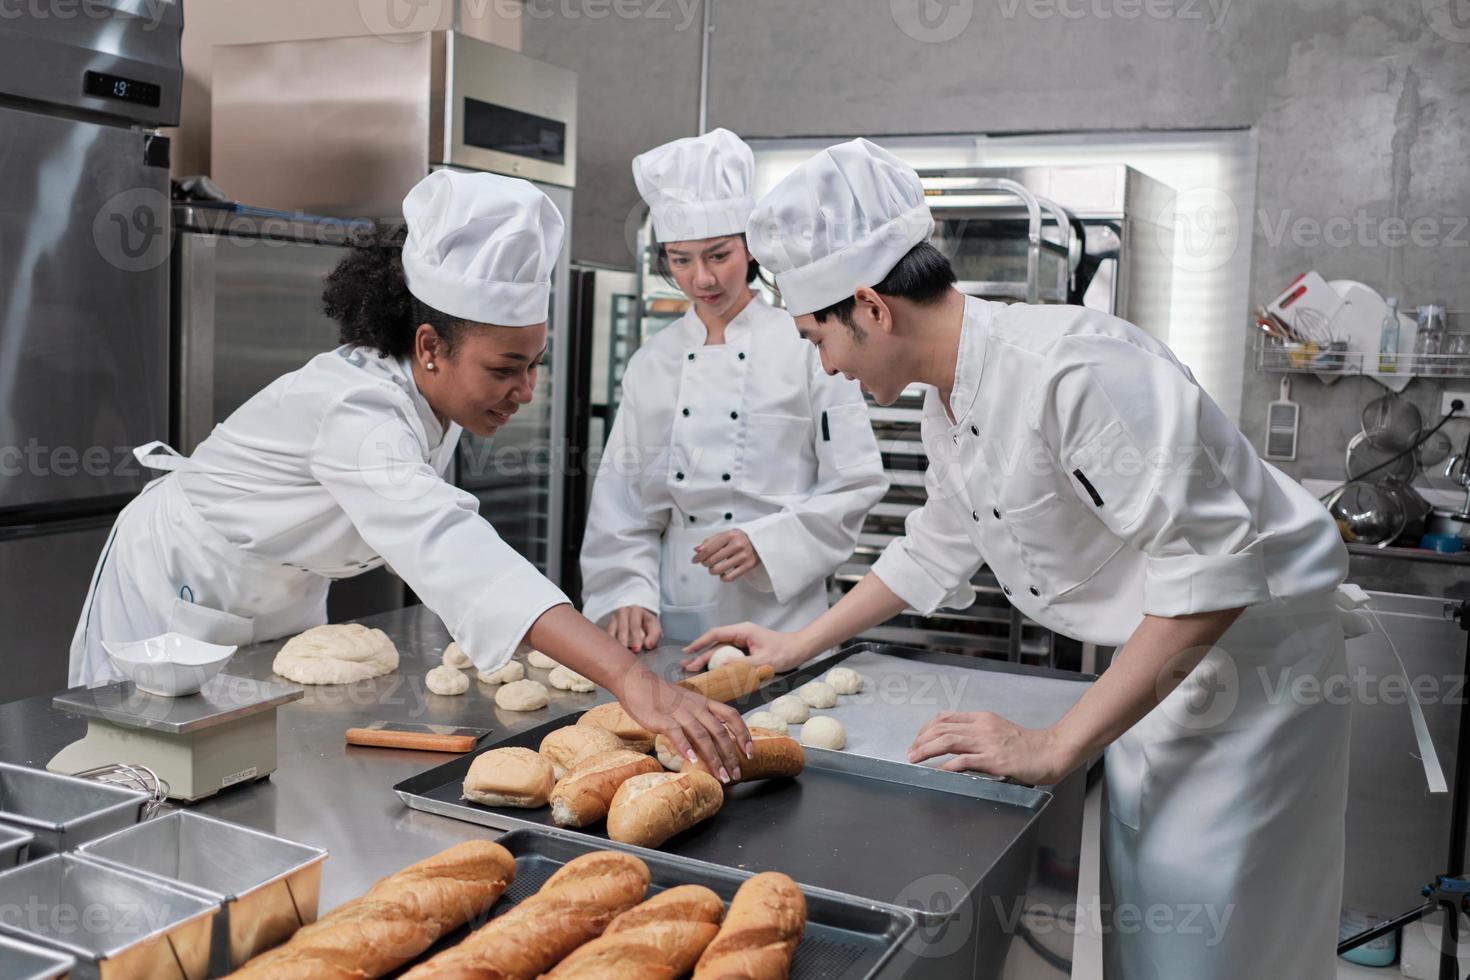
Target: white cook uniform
(751, 434)
(328, 472)
(1086, 467)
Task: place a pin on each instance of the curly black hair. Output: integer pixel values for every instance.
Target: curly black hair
(367, 294)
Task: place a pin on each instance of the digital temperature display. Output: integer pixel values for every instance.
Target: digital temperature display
(124, 89)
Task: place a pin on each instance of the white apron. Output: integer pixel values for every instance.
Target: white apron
(164, 569)
(1226, 809)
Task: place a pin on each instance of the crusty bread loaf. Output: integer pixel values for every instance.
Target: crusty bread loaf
(613, 718)
(567, 747)
(583, 797)
(649, 809)
(776, 756)
(574, 906)
(400, 917)
(760, 934)
(510, 776)
(662, 938)
(731, 682)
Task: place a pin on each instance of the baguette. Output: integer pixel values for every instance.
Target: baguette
(649, 809)
(730, 682)
(662, 938)
(573, 907)
(613, 718)
(511, 776)
(583, 796)
(567, 747)
(776, 756)
(400, 917)
(761, 933)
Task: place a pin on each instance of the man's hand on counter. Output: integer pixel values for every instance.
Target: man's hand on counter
(983, 742)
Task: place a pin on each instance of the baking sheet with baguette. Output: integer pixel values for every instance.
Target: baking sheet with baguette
(844, 939)
(833, 827)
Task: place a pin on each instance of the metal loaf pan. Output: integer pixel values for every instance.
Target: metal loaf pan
(117, 925)
(846, 938)
(63, 811)
(22, 961)
(15, 847)
(266, 887)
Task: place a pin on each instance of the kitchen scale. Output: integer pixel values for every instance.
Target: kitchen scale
(199, 743)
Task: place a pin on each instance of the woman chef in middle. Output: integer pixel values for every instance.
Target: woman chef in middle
(738, 473)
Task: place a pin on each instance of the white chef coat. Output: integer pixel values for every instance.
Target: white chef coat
(751, 434)
(1100, 484)
(328, 472)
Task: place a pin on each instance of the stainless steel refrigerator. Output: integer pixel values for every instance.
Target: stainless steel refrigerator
(84, 356)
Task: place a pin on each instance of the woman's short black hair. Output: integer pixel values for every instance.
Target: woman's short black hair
(922, 276)
(661, 265)
(368, 296)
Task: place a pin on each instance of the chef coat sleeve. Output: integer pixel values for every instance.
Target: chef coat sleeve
(621, 551)
(1160, 464)
(931, 566)
(813, 534)
(369, 457)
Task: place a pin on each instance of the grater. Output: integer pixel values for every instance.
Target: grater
(1281, 425)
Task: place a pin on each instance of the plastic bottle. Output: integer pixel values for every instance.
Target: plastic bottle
(1430, 340)
(1388, 340)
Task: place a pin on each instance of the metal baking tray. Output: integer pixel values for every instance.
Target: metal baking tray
(22, 961)
(115, 924)
(266, 887)
(15, 847)
(63, 811)
(845, 938)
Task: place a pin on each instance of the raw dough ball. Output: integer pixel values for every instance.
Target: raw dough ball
(767, 719)
(338, 654)
(447, 680)
(790, 708)
(512, 671)
(724, 655)
(817, 694)
(564, 679)
(454, 656)
(845, 680)
(538, 659)
(521, 696)
(824, 732)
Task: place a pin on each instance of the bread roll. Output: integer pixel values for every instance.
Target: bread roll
(584, 795)
(730, 682)
(400, 917)
(724, 655)
(649, 809)
(574, 906)
(613, 718)
(521, 696)
(776, 756)
(566, 747)
(760, 934)
(817, 694)
(768, 720)
(791, 708)
(509, 777)
(824, 732)
(566, 679)
(663, 937)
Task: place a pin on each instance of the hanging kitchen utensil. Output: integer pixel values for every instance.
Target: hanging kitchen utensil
(1363, 457)
(1282, 418)
(1392, 423)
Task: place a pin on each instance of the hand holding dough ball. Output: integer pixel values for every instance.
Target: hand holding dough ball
(564, 679)
(447, 680)
(824, 732)
(512, 671)
(454, 656)
(845, 680)
(817, 694)
(540, 660)
(769, 720)
(521, 696)
(338, 654)
(724, 655)
(790, 709)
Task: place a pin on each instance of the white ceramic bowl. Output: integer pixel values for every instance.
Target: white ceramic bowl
(171, 665)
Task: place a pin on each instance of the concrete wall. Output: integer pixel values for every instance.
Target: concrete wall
(1360, 107)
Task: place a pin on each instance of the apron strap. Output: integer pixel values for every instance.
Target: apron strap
(159, 455)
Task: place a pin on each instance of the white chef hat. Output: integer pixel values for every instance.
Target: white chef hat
(481, 247)
(841, 220)
(698, 187)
